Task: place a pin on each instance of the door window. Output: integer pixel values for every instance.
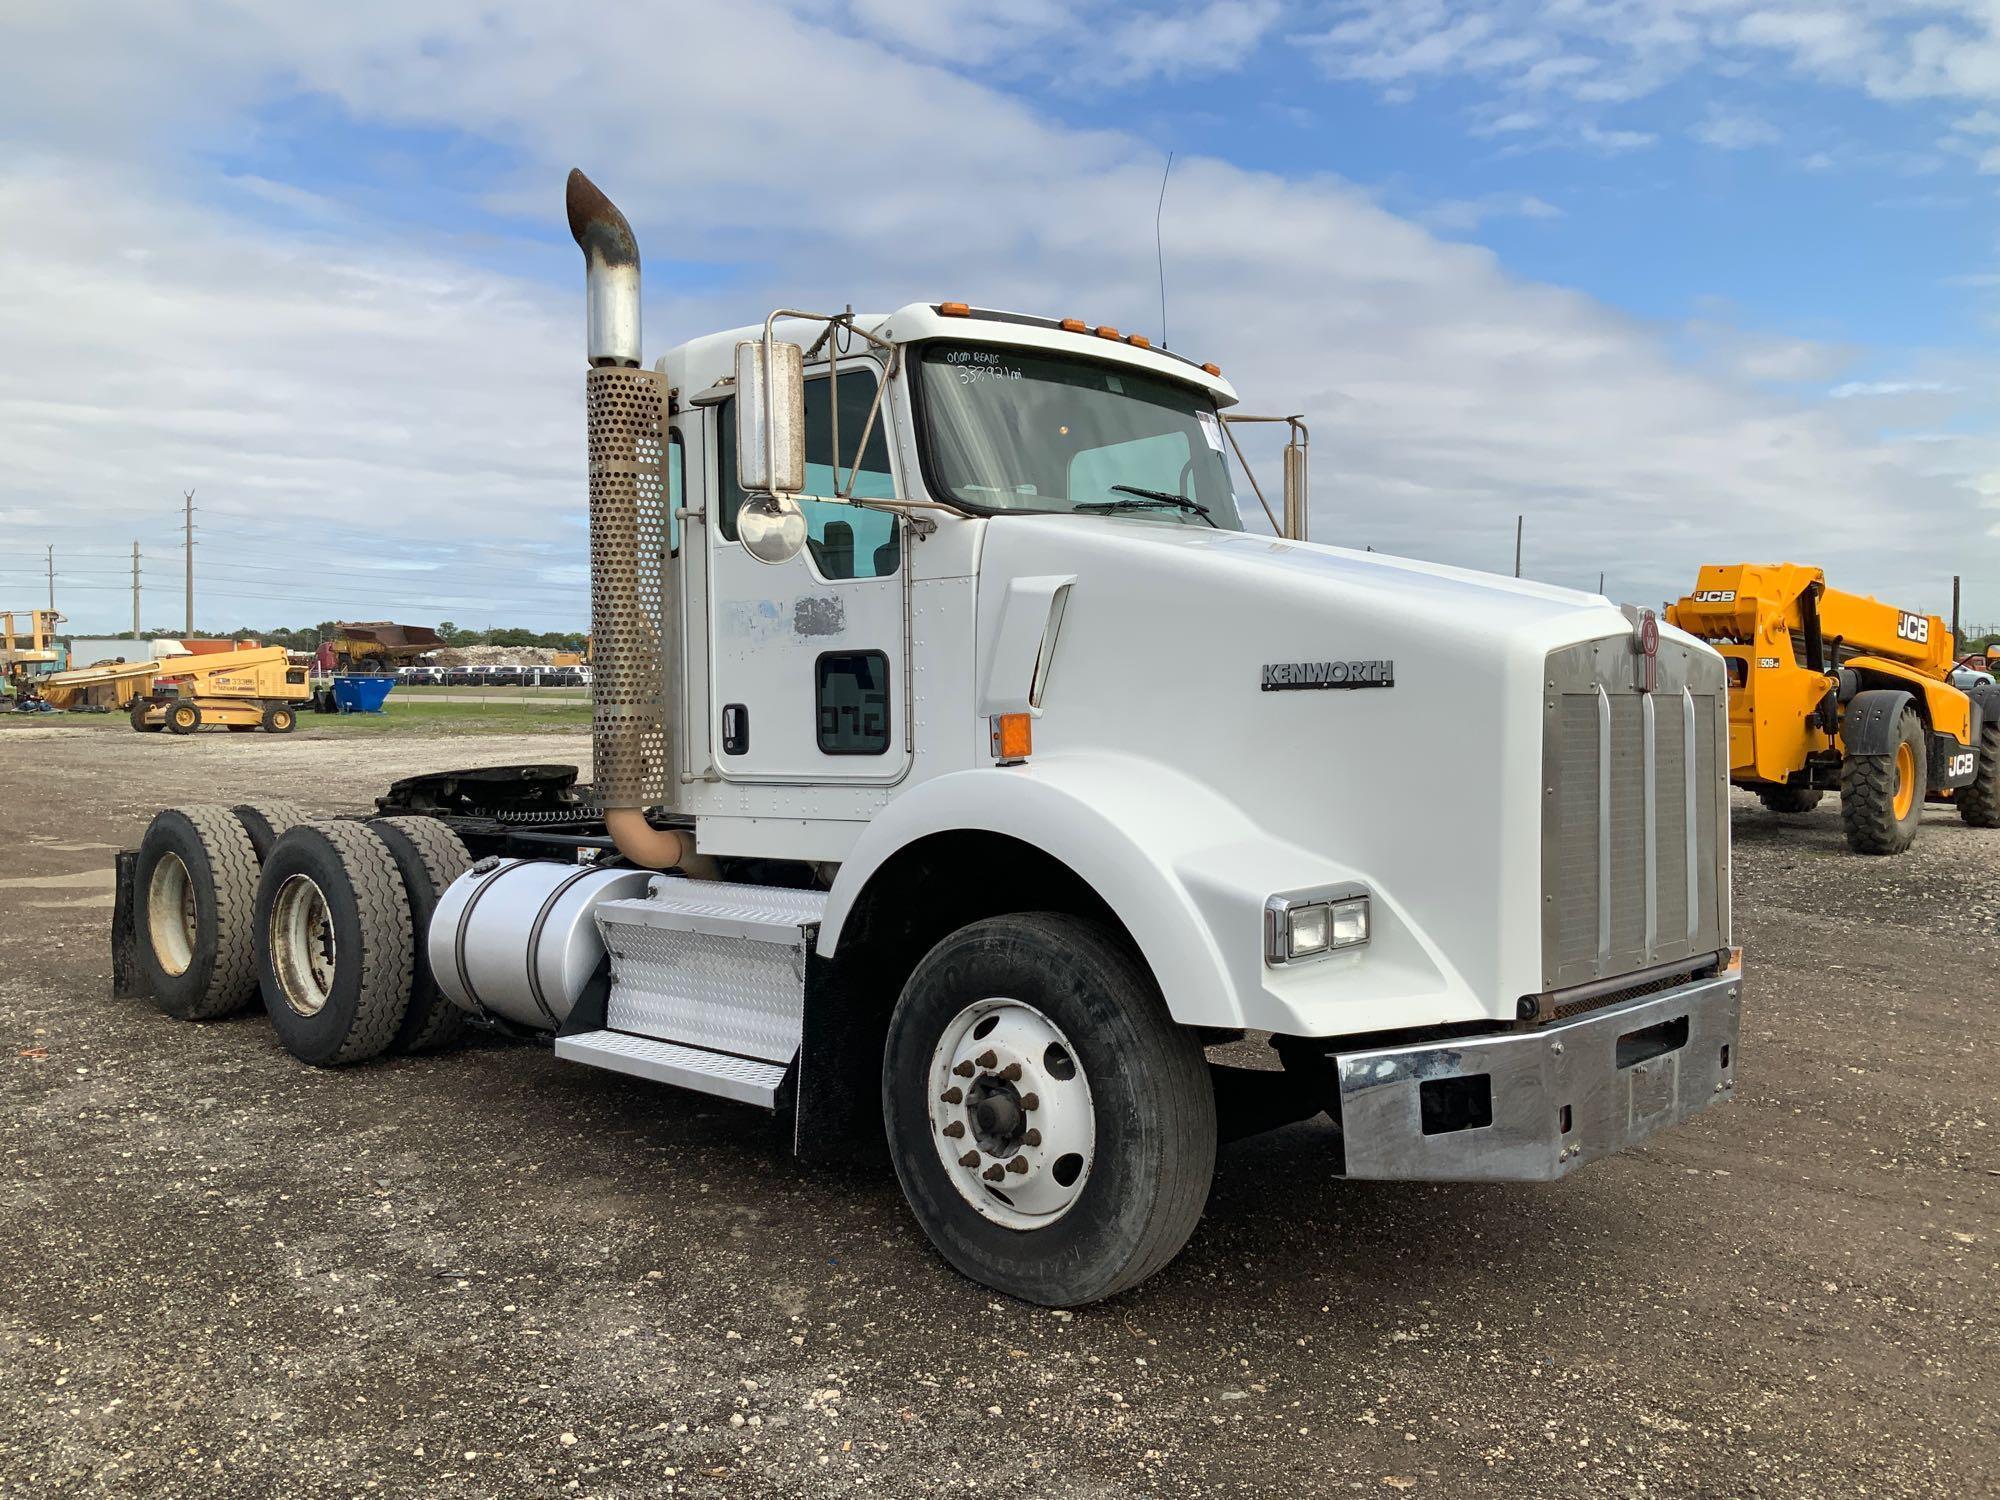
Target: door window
(845, 541)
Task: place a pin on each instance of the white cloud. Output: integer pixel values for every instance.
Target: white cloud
(1460, 215)
(1736, 130)
(296, 376)
(1858, 388)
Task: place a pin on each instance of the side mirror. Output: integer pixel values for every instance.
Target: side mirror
(772, 528)
(770, 418)
(1297, 498)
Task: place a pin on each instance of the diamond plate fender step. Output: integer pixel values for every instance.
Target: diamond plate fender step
(719, 1073)
(712, 965)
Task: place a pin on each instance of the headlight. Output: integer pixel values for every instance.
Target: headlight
(1311, 924)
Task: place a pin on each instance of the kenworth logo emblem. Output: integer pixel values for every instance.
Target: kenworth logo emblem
(1294, 676)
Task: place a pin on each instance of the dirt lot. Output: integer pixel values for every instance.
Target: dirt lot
(490, 1274)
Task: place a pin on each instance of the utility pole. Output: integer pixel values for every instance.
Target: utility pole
(52, 577)
(135, 591)
(1955, 646)
(1600, 582)
(1518, 520)
(188, 523)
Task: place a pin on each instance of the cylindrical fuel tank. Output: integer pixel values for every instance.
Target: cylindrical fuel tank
(514, 937)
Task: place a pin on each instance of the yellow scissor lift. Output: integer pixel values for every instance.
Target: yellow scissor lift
(254, 689)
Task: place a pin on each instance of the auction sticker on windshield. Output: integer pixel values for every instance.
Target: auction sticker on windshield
(1211, 428)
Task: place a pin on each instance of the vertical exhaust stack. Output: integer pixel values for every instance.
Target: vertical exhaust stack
(633, 640)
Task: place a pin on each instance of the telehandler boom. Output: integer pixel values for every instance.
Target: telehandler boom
(1837, 691)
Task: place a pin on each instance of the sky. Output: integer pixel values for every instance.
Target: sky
(1678, 281)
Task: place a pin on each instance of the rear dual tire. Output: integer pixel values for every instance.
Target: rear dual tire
(196, 888)
(334, 943)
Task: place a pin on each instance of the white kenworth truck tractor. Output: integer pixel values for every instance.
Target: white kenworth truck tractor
(968, 779)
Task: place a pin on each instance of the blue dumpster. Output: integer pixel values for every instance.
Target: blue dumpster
(361, 695)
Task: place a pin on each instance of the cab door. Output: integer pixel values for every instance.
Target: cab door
(806, 657)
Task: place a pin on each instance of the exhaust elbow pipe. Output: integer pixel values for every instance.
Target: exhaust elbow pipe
(611, 265)
(632, 609)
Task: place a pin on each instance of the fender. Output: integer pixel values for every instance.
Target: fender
(1868, 727)
(1947, 710)
(1188, 874)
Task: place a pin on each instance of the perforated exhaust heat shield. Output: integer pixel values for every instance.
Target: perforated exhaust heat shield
(630, 642)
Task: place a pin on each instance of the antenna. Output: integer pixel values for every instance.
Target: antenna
(1160, 248)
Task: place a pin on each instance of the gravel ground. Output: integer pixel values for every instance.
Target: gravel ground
(487, 1274)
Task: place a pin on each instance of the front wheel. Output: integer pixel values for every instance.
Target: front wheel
(1052, 1127)
(183, 718)
(279, 719)
(1882, 796)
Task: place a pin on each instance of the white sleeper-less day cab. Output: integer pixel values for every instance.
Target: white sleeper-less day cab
(966, 773)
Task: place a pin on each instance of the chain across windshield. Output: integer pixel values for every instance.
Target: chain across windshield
(1022, 430)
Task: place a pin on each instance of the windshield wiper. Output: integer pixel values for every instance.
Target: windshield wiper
(1145, 501)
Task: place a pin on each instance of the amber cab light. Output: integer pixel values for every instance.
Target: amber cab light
(1106, 331)
(1215, 370)
(1013, 737)
(1138, 341)
(1075, 325)
(954, 310)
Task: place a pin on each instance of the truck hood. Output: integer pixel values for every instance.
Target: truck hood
(1189, 647)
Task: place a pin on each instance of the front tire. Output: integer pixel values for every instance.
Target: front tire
(1882, 796)
(279, 719)
(1099, 1119)
(183, 718)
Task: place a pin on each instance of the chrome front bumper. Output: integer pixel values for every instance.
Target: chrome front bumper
(1532, 1106)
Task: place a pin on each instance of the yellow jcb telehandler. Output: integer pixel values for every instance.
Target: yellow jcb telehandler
(1834, 691)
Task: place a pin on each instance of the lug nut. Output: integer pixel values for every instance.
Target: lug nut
(1018, 1165)
(963, 1070)
(955, 1129)
(1031, 1101)
(1032, 1138)
(994, 1173)
(953, 1095)
(987, 1058)
(970, 1159)
(1012, 1072)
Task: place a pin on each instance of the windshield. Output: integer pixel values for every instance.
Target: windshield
(1018, 429)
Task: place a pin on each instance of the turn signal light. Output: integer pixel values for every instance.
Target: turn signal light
(1105, 331)
(1138, 341)
(954, 310)
(1013, 737)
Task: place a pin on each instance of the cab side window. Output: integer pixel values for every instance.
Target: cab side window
(845, 542)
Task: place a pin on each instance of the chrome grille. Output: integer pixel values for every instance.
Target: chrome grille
(1635, 823)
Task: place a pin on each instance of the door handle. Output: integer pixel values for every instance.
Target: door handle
(735, 729)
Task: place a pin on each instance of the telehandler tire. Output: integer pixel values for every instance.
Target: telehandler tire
(196, 884)
(1979, 799)
(1882, 796)
(333, 943)
(183, 718)
(430, 857)
(1789, 799)
(267, 822)
(1052, 1127)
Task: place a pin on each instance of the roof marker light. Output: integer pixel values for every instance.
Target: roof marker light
(1106, 331)
(1075, 325)
(1138, 341)
(954, 310)
(1215, 370)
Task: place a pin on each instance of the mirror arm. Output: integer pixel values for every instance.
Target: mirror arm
(1250, 475)
(867, 429)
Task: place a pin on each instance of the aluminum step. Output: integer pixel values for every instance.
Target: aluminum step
(712, 965)
(719, 1073)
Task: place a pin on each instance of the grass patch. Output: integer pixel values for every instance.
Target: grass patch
(414, 716)
(496, 694)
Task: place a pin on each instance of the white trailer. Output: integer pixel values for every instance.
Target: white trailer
(968, 779)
